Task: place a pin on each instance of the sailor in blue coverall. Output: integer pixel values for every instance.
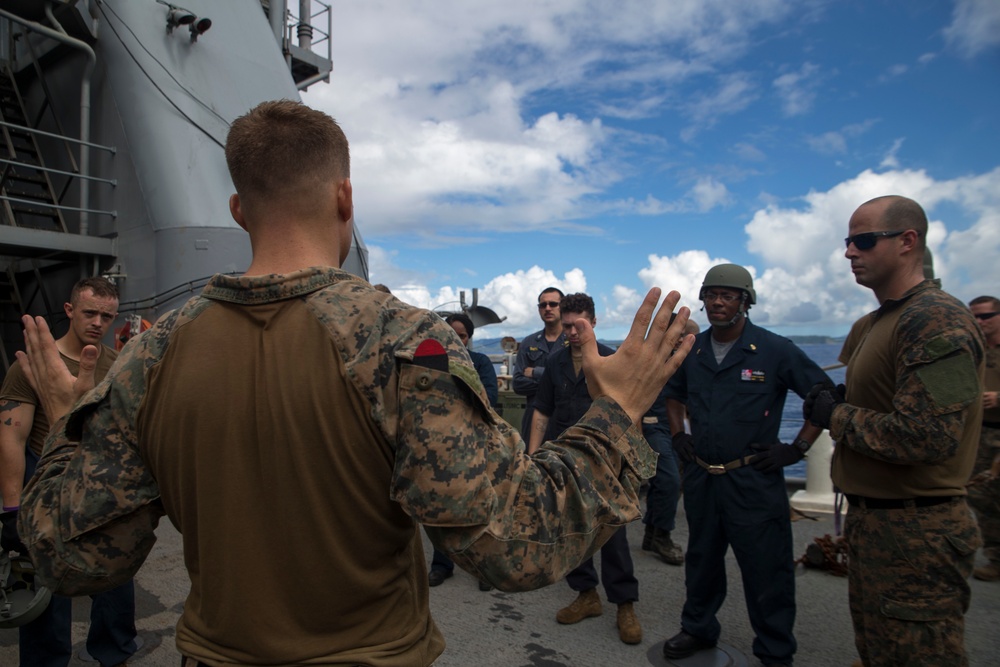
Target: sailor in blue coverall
(734, 384)
(562, 399)
(664, 486)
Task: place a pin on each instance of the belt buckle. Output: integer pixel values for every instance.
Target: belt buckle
(716, 469)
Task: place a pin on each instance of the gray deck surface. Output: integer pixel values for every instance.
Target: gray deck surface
(519, 630)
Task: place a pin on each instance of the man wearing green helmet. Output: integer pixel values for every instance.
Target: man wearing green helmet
(734, 385)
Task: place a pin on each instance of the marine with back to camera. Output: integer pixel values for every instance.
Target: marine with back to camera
(322, 421)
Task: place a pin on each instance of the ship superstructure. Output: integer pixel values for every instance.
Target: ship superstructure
(113, 119)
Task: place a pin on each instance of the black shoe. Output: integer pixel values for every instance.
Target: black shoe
(684, 644)
(437, 577)
(485, 586)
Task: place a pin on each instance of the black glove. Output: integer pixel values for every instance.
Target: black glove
(684, 446)
(820, 401)
(775, 457)
(9, 539)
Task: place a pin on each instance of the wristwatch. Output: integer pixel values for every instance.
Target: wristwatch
(802, 445)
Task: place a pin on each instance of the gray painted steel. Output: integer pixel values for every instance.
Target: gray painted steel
(163, 104)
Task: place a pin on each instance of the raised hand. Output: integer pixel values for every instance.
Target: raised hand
(56, 387)
(651, 353)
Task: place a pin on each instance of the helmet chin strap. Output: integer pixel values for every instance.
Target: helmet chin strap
(736, 318)
(740, 314)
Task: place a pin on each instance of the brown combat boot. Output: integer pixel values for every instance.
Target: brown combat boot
(586, 605)
(988, 572)
(857, 663)
(665, 548)
(629, 630)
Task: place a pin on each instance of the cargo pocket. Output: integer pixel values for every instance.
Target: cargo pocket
(963, 546)
(924, 610)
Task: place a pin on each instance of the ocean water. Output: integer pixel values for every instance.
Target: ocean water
(825, 355)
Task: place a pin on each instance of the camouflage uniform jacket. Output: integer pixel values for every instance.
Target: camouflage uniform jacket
(436, 454)
(991, 382)
(910, 425)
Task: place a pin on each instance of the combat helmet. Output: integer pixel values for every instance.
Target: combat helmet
(22, 597)
(733, 276)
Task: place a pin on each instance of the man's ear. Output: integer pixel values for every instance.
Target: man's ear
(236, 210)
(345, 200)
(910, 239)
(345, 218)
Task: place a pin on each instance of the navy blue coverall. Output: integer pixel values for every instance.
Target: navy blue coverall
(532, 353)
(563, 397)
(733, 405)
(665, 485)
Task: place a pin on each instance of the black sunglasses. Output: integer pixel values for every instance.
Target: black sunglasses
(868, 240)
(985, 316)
(550, 304)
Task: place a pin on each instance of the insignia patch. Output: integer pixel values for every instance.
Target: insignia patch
(431, 354)
(748, 375)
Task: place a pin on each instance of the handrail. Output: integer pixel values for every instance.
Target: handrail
(75, 168)
(110, 149)
(72, 174)
(62, 207)
(60, 35)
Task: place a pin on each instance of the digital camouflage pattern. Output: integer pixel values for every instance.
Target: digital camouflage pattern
(908, 572)
(909, 428)
(984, 492)
(911, 421)
(519, 522)
(984, 487)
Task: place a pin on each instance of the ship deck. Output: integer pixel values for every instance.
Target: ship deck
(498, 629)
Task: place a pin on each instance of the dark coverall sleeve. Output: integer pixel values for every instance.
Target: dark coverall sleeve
(523, 384)
(488, 376)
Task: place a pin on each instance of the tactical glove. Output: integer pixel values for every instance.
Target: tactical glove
(775, 457)
(9, 539)
(684, 446)
(820, 401)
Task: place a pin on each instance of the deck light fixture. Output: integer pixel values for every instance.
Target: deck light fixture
(178, 16)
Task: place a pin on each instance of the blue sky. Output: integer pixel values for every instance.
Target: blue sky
(607, 147)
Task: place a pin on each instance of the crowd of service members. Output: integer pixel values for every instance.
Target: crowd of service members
(912, 424)
(715, 425)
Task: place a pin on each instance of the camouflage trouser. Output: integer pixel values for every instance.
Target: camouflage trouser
(984, 493)
(907, 583)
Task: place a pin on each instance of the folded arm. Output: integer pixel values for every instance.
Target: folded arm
(937, 378)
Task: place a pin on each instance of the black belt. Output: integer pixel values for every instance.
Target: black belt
(897, 503)
(991, 424)
(723, 468)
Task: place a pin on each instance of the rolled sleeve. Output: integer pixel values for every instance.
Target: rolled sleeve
(518, 521)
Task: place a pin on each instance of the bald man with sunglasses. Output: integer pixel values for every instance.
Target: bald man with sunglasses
(907, 429)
